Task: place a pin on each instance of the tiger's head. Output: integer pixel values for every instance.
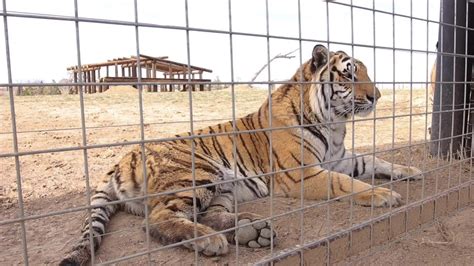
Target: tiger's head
(342, 85)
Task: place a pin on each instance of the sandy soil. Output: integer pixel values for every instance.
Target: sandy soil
(448, 241)
(55, 181)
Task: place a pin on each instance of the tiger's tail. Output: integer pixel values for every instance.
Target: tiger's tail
(100, 216)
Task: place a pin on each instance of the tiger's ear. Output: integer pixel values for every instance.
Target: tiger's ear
(320, 57)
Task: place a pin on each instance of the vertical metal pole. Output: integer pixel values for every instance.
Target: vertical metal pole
(191, 130)
(301, 88)
(270, 125)
(234, 148)
(15, 137)
(142, 131)
(84, 133)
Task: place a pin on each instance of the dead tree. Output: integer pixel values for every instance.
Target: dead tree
(286, 56)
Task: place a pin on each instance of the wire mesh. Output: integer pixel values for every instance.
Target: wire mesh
(303, 224)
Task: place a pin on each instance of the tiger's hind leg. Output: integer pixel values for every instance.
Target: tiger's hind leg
(171, 221)
(219, 216)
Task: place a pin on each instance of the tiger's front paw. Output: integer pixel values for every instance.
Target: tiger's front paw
(410, 173)
(210, 246)
(379, 197)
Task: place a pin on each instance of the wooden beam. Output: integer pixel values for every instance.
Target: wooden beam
(93, 87)
(157, 80)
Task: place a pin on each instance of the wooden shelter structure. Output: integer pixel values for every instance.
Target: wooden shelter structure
(176, 76)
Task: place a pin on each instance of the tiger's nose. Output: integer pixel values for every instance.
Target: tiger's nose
(372, 97)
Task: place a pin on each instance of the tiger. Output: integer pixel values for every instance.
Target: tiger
(432, 87)
(236, 161)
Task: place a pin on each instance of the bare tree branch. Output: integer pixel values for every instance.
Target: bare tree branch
(286, 56)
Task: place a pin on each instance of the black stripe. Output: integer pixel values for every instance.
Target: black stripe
(296, 159)
(98, 197)
(241, 170)
(97, 229)
(250, 121)
(204, 147)
(259, 120)
(118, 181)
(296, 113)
(133, 164)
(99, 219)
(190, 153)
(356, 169)
(242, 120)
(247, 150)
(318, 135)
(205, 167)
(340, 186)
(281, 167)
(314, 175)
(218, 149)
(307, 146)
(363, 166)
(197, 182)
(182, 140)
(252, 185)
(104, 209)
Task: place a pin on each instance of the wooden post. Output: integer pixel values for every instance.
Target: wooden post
(84, 80)
(164, 86)
(170, 76)
(193, 86)
(147, 69)
(116, 70)
(123, 71)
(153, 75)
(184, 84)
(88, 79)
(201, 86)
(98, 79)
(76, 88)
(93, 87)
(89, 73)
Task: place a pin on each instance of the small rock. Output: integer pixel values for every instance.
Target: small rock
(253, 244)
(260, 225)
(243, 221)
(263, 241)
(265, 232)
(244, 235)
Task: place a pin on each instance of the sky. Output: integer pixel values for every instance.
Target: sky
(43, 49)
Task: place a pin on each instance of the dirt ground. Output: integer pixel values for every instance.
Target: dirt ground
(55, 181)
(448, 241)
